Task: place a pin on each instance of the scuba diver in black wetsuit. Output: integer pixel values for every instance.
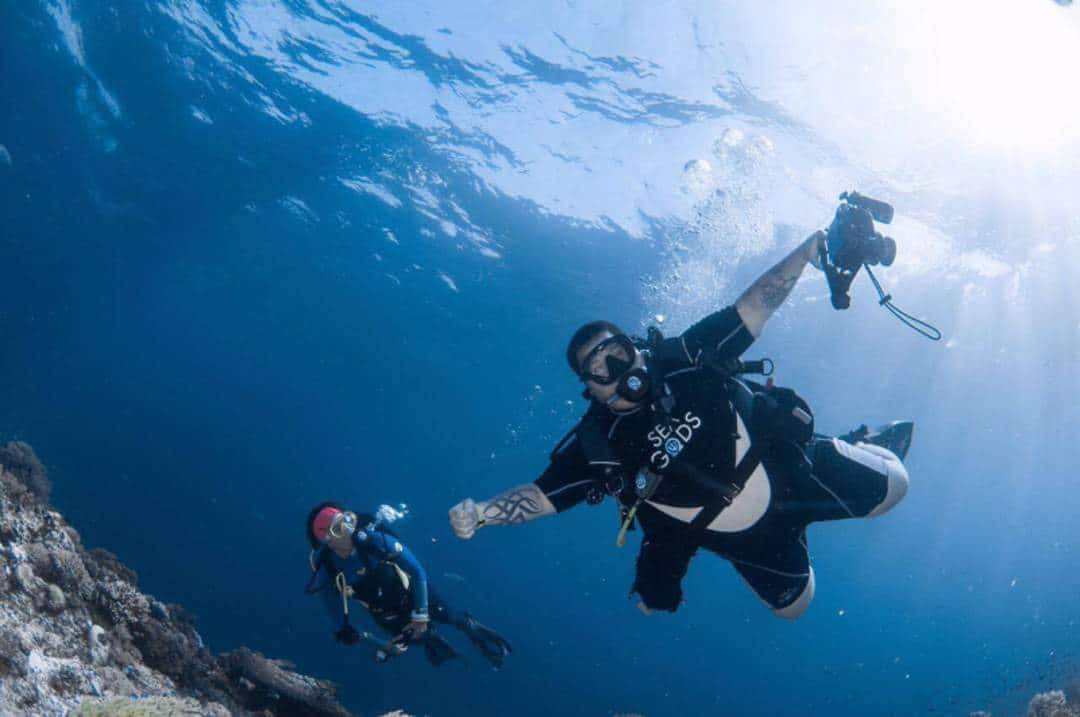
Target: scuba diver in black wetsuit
(702, 457)
(354, 557)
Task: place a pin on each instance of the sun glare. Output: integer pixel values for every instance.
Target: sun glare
(1001, 74)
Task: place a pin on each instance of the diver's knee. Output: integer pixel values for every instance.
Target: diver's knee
(651, 603)
(796, 609)
(879, 451)
(896, 477)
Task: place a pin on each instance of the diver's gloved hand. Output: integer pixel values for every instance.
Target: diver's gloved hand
(395, 647)
(347, 635)
(465, 518)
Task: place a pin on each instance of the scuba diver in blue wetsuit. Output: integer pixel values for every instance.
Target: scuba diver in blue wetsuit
(355, 560)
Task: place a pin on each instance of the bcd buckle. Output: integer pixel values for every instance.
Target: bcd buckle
(603, 487)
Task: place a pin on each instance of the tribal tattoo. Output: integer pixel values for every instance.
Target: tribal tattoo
(516, 506)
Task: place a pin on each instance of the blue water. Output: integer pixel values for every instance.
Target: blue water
(255, 255)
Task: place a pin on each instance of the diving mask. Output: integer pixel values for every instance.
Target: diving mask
(609, 360)
(343, 525)
(612, 361)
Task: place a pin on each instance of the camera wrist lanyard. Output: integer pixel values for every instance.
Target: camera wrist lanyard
(915, 324)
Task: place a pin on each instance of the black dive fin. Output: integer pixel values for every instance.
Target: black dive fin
(493, 646)
(437, 649)
(895, 436)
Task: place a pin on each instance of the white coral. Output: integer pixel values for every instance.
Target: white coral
(1051, 704)
(124, 604)
(99, 648)
(54, 599)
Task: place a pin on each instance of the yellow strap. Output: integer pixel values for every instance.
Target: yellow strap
(345, 590)
(620, 539)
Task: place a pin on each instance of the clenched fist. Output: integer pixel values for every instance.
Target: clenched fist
(465, 518)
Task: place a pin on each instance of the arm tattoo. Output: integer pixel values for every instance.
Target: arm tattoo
(775, 289)
(772, 288)
(515, 506)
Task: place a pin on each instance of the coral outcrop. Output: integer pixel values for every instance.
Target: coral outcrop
(78, 637)
(1055, 703)
(1052, 704)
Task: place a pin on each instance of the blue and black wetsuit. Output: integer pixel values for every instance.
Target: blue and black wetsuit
(384, 577)
(727, 484)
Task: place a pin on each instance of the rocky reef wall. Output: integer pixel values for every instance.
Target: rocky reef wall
(77, 636)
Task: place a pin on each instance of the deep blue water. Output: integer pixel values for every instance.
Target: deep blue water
(258, 255)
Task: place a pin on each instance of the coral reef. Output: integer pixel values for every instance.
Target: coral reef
(1052, 704)
(78, 637)
(147, 707)
(1055, 703)
(292, 693)
(19, 459)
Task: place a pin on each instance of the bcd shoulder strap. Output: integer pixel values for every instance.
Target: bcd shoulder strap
(722, 494)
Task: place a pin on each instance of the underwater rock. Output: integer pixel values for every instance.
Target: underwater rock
(137, 707)
(13, 654)
(54, 599)
(121, 602)
(26, 580)
(5, 155)
(67, 570)
(77, 636)
(1052, 704)
(20, 460)
(105, 564)
(276, 686)
(99, 646)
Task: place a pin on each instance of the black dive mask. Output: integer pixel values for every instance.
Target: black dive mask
(632, 384)
(618, 361)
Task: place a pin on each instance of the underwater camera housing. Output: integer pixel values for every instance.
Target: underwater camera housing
(852, 241)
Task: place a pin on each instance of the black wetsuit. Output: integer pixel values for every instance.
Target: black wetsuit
(745, 497)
